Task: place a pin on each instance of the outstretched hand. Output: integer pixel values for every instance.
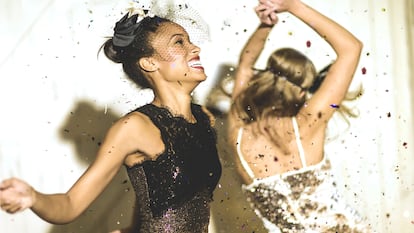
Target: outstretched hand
(16, 195)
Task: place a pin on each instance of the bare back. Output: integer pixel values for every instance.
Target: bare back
(266, 158)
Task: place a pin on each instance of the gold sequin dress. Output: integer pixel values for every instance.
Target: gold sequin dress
(301, 201)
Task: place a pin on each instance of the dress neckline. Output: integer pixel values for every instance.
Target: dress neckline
(167, 110)
(287, 174)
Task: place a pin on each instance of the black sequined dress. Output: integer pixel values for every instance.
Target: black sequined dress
(174, 191)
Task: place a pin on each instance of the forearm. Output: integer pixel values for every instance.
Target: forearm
(54, 208)
(254, 46)
(248, 57)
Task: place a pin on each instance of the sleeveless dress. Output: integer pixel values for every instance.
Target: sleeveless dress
(174, 191)
(300, 201)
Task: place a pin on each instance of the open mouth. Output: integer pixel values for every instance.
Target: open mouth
(195, 64)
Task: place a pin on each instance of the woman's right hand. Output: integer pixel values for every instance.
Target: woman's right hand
(16, 195)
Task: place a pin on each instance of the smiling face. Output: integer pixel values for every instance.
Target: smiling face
(177, 58)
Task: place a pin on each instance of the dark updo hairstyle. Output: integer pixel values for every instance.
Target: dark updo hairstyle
(279, 90)
(131, 42)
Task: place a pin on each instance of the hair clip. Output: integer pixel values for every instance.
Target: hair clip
(124, 31)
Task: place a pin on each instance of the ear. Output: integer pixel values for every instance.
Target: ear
(148, 64)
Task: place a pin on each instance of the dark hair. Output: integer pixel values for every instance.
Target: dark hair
(138, 45)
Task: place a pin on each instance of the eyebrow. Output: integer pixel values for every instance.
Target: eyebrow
(177, 34)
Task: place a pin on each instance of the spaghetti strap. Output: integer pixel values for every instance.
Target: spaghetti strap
(239, 153)
(298, 142)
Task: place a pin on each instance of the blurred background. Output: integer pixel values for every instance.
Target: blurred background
(58, 97)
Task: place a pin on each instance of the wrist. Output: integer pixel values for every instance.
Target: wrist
(296, 7)
(265, 25)
(34, 195)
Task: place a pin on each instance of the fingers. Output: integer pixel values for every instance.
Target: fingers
(6, 183)
(279, 5)
(260, 8)
(267, 15)
(15, 195)
(8, 204)
(273, 17)
(266, 3)
(11, 208)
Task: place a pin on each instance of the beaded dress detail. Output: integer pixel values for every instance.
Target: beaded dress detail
(300, 201)
(174, 191)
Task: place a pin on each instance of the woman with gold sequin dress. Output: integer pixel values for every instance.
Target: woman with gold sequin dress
(278, 132)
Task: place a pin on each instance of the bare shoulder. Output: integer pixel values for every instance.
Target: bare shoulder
(132, 123)
(133, 133)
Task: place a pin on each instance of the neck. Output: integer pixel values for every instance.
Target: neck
(179, 105)
(176, 96)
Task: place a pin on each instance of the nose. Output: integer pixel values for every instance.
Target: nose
(195, 49)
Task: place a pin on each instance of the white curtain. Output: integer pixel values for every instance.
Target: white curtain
(58, 98)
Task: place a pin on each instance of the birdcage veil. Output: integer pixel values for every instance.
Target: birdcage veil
(180, 12)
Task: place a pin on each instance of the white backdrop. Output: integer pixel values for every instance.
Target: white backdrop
(58, 98)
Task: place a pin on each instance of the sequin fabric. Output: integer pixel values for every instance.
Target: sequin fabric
(174, 191)
(303, 201)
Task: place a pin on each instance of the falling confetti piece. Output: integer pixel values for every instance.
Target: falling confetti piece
(308, 44)
(364, 70)
(334, 106)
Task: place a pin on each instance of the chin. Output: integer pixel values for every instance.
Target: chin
(203, 76)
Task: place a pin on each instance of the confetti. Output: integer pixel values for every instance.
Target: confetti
(308, 44)
(364, 70)
(334, 106)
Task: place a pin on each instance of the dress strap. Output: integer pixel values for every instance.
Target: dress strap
(239, 153)
(298, 142)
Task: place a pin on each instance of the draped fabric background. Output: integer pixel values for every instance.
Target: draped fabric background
(58, 97)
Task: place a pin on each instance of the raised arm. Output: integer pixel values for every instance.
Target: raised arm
(16, 195)
(253, 48)
(347, 47)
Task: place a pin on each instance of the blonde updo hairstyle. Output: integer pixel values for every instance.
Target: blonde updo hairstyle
(279, 90)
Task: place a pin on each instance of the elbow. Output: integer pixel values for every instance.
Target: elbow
(59, 219)
(59, 222)
(352, 49)
(356, 46)
(359, 45)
